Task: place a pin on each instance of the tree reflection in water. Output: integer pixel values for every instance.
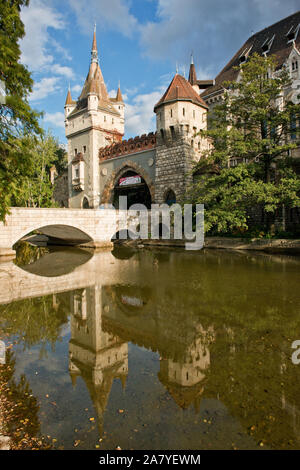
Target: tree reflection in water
(19, 409)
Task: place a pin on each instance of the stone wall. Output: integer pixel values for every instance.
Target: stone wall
(174, 159)
(60, 192)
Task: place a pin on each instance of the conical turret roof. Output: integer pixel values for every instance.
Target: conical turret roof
(94, 83)
(180, 89)
(69, 98)
(119, 95)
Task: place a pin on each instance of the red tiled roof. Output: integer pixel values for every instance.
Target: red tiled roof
(180, 89)
(119, 95)
(94, 83)
(69, 98)
(94, 46)
(279, 47)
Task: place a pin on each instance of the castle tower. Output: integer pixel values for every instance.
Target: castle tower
(95, 355)
(180, 115)
(93, 121)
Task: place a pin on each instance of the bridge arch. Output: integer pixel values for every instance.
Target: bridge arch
(71, 234)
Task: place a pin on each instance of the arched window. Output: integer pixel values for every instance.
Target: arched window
(170, 197)
(85, 203)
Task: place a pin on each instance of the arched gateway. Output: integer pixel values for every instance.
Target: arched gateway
(130, 180)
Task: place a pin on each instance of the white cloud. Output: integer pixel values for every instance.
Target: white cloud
(62, 70)
(139, 115)
(76, 88)
(112, 93)
(108, 14)
(37, 18)
(44, 88)
(212, 29)
(56, 119)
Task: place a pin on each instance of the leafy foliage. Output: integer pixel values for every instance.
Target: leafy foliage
(37, 189)
(252, 125)
(17, 119)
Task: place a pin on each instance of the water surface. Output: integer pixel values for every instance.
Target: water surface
(155, 349)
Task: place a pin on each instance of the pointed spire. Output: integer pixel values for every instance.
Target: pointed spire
(69, 97)
(192, 74)
(119, 94)
(94, 47)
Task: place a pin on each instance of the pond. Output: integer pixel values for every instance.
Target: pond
(152, 349)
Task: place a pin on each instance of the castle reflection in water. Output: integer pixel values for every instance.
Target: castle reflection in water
(105, 318)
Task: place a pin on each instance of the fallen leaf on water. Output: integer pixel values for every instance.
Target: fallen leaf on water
(121, 411)
(76, 442)
(92, 419)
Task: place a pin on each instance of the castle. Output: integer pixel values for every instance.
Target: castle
(156, 168)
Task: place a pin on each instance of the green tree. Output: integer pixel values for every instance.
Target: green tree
(17, 119)
(37, 189)
(254, 125)
(61, 163)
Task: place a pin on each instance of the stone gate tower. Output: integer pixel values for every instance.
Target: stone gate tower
(93, 121)
(180, 115)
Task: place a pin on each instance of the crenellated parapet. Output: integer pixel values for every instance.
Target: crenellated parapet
(127, 147)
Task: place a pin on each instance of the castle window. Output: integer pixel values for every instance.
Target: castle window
(104, 118)
(171, 112)
(170, 197)
(267, 44)
(75, 150)
(162, 134)
(199, 145)
(77, 173)
(183, 111)
(294, 65)
(292, 34)
(112, 121)
(194, 114)
(172, 132)
(84, 149)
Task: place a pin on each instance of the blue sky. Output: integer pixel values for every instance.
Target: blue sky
(139, 43)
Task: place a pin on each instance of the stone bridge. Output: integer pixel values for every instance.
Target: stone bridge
(88, 227)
